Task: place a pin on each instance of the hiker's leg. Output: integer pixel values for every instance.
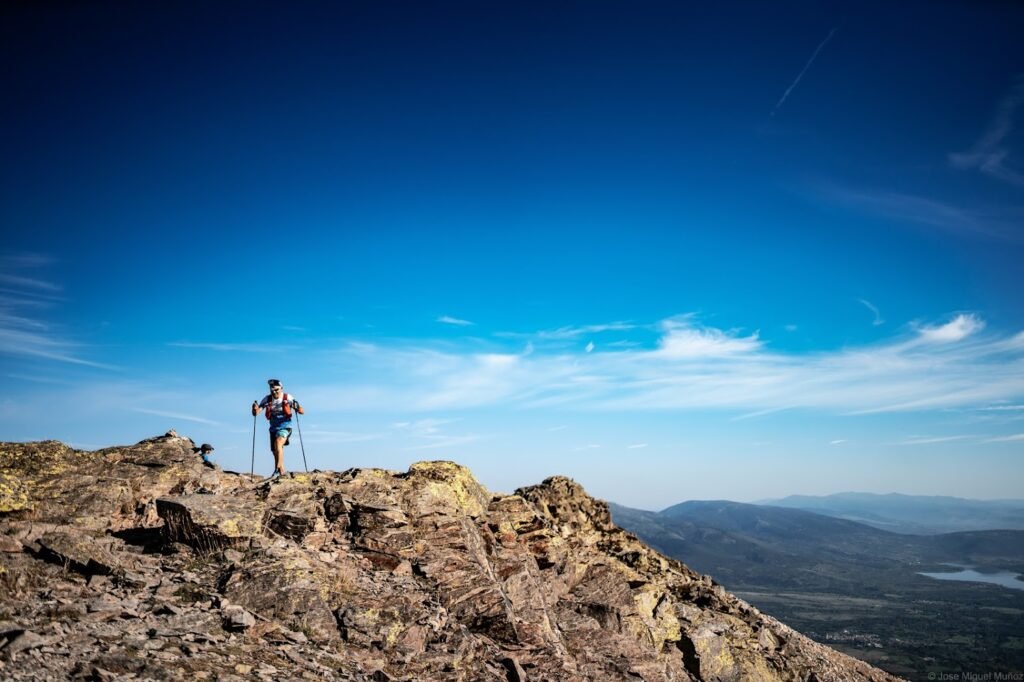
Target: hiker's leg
(279, 454)
(274, 447)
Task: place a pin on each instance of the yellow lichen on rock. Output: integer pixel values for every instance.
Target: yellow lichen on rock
(447, 485)
(661, 623)
(392, 634)
(14, 494)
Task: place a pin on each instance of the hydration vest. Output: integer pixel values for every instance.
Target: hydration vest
(286, 404)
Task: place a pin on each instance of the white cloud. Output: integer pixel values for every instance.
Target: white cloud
(636, 446)
(683, 340)
(448, 319)
(928, 440)
(957, 329)
(1007, 439)
(837, 442)
(176, 415)
(431, 435)
(570, 332)
(232, 347)
(423, 427)
(590, 347)
(692, 367)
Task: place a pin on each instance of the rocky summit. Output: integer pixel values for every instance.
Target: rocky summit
(139, 562)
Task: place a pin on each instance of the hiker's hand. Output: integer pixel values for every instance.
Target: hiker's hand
(295, 404)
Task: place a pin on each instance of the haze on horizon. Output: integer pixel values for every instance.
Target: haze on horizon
(732, 252)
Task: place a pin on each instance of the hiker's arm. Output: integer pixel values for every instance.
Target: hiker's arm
(298, 408)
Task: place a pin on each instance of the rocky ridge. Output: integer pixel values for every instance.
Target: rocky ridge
(139, 562)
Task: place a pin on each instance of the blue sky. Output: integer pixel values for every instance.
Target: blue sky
(673, 252)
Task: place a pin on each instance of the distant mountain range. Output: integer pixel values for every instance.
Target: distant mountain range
(759, 545)
(798, 564)
(914, 514)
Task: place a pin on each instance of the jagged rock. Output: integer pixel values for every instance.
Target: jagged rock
(10, 545)
(23, 641)
(285, 584)
(360, 575)
(209, 522)
(83, 553)
(237, 618)
(514, 671)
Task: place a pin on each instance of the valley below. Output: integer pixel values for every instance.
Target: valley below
(859, 589)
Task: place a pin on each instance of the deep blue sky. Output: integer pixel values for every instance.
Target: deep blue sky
(792, 233)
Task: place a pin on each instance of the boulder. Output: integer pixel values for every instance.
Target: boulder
(210, 522)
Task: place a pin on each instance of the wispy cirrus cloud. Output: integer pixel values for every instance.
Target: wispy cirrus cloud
(16, 261)
(918, 210)
(328, 437)
(233, 347)
(874, 311)
(30, 283)
(175, 415)
(931, 440)
(448, 319)
(991, 153)
(24, 332)
(1002, 408)
(432, 434)
(1014, 438)
(958, 363)
(569, 332)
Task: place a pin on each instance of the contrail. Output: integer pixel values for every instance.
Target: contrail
(801, 74)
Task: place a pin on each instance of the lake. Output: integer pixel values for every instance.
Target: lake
(1003, 578)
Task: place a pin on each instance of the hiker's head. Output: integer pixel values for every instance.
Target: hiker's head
(275, 386)
(206, 447)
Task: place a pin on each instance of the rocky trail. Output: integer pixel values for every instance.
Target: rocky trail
(138, 562)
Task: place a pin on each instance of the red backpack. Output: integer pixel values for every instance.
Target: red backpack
(286, 403)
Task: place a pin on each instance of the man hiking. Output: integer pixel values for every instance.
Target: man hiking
(278, 407)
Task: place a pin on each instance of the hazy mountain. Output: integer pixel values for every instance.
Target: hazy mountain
(800, 565)
(917, 514)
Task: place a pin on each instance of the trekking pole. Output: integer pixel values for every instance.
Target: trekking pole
(252, 464)
(299, 425)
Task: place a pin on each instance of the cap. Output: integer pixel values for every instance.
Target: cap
(273, 382)
(206, 447)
